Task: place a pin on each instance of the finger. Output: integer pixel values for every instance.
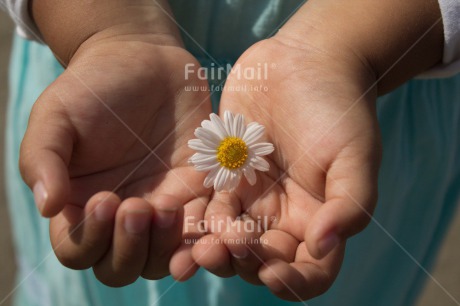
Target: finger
(242, 241)
(81, 236)
(182, 265)
(278, 244)
(210, 253)
(221, 211)
(44, 155)
(294, 282)
(165, 235)
(304, 278)
(351, 195)
(126, 259)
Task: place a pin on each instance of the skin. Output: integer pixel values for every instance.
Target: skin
(111, 133)
(319, 112)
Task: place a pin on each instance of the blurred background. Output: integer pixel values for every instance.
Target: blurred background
(446, 270)
(7, 264)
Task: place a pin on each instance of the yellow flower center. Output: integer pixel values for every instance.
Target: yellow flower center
(232, 152)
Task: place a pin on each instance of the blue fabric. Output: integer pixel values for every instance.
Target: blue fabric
(419, 183)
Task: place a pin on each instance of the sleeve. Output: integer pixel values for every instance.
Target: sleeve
(450, 11)
(19, 12)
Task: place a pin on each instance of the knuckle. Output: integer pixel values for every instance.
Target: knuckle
(71, 260)
(156, 268)
(155, 274)
(24, 163)
(362, 222)
(77, 257)
(113, 279)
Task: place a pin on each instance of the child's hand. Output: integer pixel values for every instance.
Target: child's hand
(321, 187)
(319, 111)
(116, 123)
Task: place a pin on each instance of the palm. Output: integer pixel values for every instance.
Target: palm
(314, 150)
(131, 120)
(122, 121)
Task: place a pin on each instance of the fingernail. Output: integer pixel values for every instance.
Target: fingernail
(40, 195)
(104, 211)
(328, 243)
(240, 253)
(137, 222)
(165, 218)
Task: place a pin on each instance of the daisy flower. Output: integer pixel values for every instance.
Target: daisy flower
(228, 149)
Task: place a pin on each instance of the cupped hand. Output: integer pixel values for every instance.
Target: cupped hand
(288, 231)
(106, 155)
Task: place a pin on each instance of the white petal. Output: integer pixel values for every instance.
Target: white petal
(207, 125)
(250, 175)
(199, 146)
(203, 159)
(254, 132)
(218, 125)
(262, 148)
(207, 137)
(228, 182)
(206, 167)
(210, 126)
(259, 163)
(221, 179)
(228, 119)
(203, 162)
(238, 126)
(209, 180)
(234, 181)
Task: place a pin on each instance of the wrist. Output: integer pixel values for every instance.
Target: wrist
(67, 25)
(333, 57)
(396, 39)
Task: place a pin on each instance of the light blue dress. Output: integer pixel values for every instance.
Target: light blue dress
(385, 265)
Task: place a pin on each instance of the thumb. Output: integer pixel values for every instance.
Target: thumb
(351, 195)
(45, 153)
